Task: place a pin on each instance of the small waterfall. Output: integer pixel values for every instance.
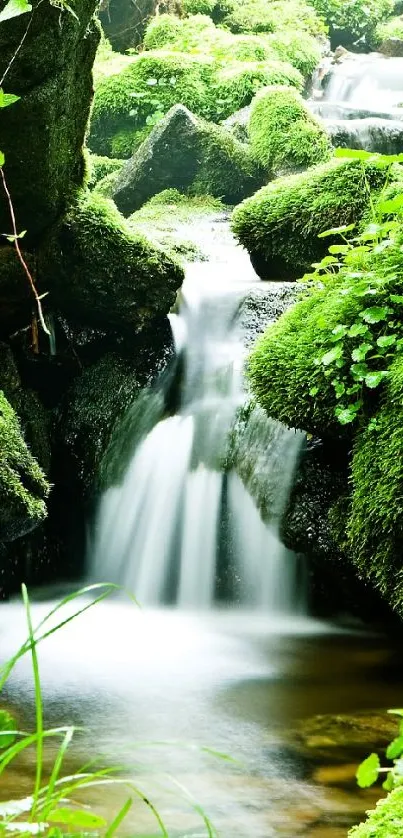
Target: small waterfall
(179, 528)
(360, 99)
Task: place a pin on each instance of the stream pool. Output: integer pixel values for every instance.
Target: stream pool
(153, 688)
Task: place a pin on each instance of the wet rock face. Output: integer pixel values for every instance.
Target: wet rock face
(383, 136)
(392, 48)
(53, 77)
(184, 152)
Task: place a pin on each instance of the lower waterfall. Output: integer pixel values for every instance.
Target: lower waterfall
(181, 527)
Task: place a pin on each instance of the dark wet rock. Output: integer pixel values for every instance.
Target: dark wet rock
(238, 123)
(392, 48)
(53, 77)
(262, 306)
(360, 731)
(15, 294)
(382, 136)
(186, 153)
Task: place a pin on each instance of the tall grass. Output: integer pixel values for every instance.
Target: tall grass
(51, 809)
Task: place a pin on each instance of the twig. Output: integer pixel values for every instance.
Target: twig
(20, 256)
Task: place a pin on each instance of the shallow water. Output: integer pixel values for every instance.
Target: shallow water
(235, 682)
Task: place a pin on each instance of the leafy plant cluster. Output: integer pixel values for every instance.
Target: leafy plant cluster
(368, 269)
(353, 18)
(371, 769)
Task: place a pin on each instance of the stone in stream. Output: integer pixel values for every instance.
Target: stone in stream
(378, 135)
(392, 48)
(185, 152)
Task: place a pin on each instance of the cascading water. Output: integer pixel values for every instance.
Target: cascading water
(360, 99)
(179, 528)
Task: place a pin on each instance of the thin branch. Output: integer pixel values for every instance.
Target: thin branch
(20, 256)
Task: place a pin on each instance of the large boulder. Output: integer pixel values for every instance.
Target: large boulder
(284, 136)
(382, 136)
(23, 486)
(280, 224)
(100, 273)
(53, 77)
(186, 153)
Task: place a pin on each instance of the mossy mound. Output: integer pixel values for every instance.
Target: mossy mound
(238, 83)
(144, 91)
(188, 154)
(385, 821)
(261, 16)
(53, 77)
(283, 134)
(103, 274)
(23, 486)
(100, 167)
(375, 530)
(279, 226)
(348, 22)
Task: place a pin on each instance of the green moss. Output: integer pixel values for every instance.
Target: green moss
(23, 487)
(145, 90)
(386, 821)
(188, 34)
(53, 77)
(283, 134)
(237, 85)
(103, 273)
(375, 529)
(280, 224)
(261, 16)
(100, 167)
(198, 7)
(227, 168)
(299, 49)
(106, 186)
(349, 21)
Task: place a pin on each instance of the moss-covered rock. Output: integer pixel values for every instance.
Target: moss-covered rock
(284, 135)
(101, 273)
(261, 16)
(23, 486)
(100, 167)
(385, 821)
(187, 153)
(124, 22)
(53, 76)
(375, 528)
(237, 83)
(279, 226)
(141, 93)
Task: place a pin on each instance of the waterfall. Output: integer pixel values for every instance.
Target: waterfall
(360, 99)
(181, 527)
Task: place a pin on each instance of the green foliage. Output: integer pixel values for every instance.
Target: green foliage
(263, 16)
(283, 134)
(392, 28)
(280, 224)
(100, 167)
(353, 19)
(385, 821)
(23, 486)
(198, 7)
(298, 48)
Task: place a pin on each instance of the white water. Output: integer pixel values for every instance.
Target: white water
(178, 529)
(360, 99)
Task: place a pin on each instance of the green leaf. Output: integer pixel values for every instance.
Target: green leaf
(339, 388)
(7, 99)
(7, 725)
(386, 340)
(76, 817)
(346, 415)
(395, 749)
(359, 370)
(368, 771)
(334, 231)
(373, 379)
(314, 391)
(356, 154)
(389, 783)
(2, 159)
(396, 298)
(332, 356)
(338, 249)
(398, 712)
(361, 351)
(375, 314)
(15, 8)
(358, 329)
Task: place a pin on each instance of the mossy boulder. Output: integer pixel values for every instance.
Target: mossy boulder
(385, 821)
(187, 153)
(284, 135)
(238, 82)
(261, 16)
(280, 224)
(53, 76)
(23, 486)
(99, 272)
(141, 93)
